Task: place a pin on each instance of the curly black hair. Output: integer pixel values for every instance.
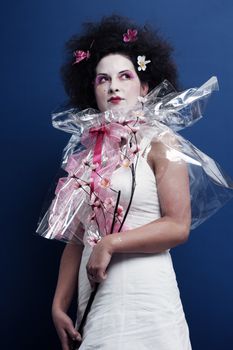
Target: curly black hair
(106, 37)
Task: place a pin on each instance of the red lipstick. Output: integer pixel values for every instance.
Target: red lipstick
(115, 99)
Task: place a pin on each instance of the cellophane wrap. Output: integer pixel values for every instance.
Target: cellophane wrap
(84, 199)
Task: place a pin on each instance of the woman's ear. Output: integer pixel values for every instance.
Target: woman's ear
(144, 89)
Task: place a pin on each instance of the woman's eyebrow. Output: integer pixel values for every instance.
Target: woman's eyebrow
(101, 74)
(126, 70)
(122, 71)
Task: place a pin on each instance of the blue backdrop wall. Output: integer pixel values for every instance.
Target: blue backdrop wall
(32, 38)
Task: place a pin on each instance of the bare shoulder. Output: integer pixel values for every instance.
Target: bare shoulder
(172, 178)
(162, 149)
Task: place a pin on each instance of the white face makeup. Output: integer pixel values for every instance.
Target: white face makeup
(117, 85)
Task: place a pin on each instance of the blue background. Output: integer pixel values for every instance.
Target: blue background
(32, 38)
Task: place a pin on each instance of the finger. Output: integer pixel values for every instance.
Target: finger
(78, 337)
(88, 268)
(92, 283)
(75, 345)
(73, 333)
(101, 276)
(91, 274)
(96, 275)
(69, 343)
(64, 341)
(91, 280)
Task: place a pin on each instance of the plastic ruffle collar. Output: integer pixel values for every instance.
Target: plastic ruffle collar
(84, 199)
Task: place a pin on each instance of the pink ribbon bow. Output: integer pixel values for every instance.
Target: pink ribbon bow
(114, 132)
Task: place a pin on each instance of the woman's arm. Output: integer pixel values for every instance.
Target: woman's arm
(66, 285)
(68, 276)
(173, 191)
(166, 232)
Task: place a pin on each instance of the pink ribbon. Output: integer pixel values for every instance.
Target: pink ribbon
(114, 131)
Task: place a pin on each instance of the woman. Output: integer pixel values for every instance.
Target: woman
(136, 177)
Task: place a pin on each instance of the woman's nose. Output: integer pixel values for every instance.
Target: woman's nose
(114, 86)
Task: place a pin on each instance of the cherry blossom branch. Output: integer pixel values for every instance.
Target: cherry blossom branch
(131, 196)
(115, 211)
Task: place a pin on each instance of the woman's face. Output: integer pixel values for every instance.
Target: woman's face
(117, 85)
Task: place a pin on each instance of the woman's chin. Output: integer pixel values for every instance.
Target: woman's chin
(121, 107)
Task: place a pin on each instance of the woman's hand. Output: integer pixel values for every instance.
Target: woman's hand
(99, 261)
(65, 329)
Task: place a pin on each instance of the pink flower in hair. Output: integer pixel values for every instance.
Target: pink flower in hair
(81, 55)
(130, 36)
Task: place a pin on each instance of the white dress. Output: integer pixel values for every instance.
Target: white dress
(138, 306)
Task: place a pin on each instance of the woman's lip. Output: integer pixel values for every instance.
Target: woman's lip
(115, 99)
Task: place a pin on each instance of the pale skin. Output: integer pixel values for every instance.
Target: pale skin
(157, 236)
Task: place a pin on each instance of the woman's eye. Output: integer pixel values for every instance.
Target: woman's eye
(126, 76)
(101, 80)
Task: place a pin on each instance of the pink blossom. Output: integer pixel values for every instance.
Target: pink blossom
(130, 36)
(135, 149)
(142, 99)
(94, 201)
(80, 183)
(94, 166)
(138, 114)
(81, 55)
(96, 209)
(108, 203)
(92, 216)
(93, 239)
(105, 182)
(125, 163)
(77, 184)
(88, 182)
(121, 120)
(133, 129)
(85, 162)
(120, 211)
(97, 203)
